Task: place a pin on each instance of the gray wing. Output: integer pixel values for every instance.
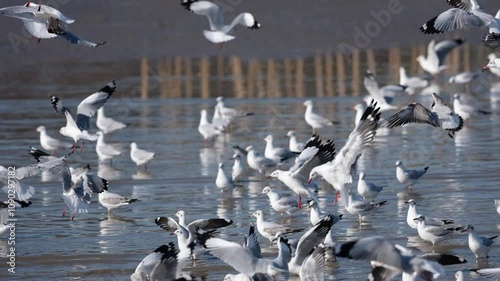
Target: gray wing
(413, 113)
(94, 184)
(89, 106)
(308, 152)
(444, 47)
(312, 238)
(492, 41)
(60, 170)
(235, 255)
(74, 39)
(491, 273)
(325, 153)
(210, 224)
(23, 191)
(454, 19)
(374, 248)
(461, 4)
(313, 267)
(436, 230)
(167, 223)
(252, 243)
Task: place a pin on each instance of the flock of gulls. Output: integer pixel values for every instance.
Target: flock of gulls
(308, 163)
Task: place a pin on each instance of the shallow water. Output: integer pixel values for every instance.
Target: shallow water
(460, 184)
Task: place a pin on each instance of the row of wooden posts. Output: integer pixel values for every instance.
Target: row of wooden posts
(324, 74)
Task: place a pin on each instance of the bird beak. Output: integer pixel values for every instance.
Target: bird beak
(274, 240)
(415, 219)
(407, 202)
(269, 177)
(309, 180)
(486, 67)
(260, 194)
(171, 233)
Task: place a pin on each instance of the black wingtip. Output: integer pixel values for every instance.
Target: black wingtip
(54, 100)
(23, 204)
(187, 4)
(109, 88)
(37, 153)
(256, 25)
(429, 28)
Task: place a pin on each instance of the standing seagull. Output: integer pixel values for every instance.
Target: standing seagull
(269, 229)
(223, 182)
(440, 116)
(433, 233)
(49, 143)
(111, 200)
(140, 156)
(107, 124)
(413, 214)
(207, 129)
(314, 120)
(294, 145)
(45, 22)
(78, 129)
(280, 203)
(479, 245)
(408, 177)
(368, 190)
(219, 32)
(105, 151)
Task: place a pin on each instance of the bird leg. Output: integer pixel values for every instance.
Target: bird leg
(337, 196)
(300, 202)
(73, 217)
(28, 4)
(74, 147)
(64, 212)
(109, 212)
(81, 147)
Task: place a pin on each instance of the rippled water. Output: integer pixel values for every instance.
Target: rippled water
(460, 184)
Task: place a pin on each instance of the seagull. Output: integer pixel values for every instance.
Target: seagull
(390, 259)
(464, 14)
(440, 116)
(269, 229)
(223, 182)
(294, 145)
(339, 171)
(111, 200)
(243, 261)
(433, 233)
(45, 22)
(316, 215)
(466, 110)
(314, 120)
(78, 129)
(76, 198)
(14, 184)
(49, 143)
(360, 207)
(278, 154)
(202, 224)
(497, 205)
(312, 238)
(366, 189)
(313, 155)
(140, 156)
(229, 113)
(413, 214)
(239, 169)
(162, 264)
(408, 177)
(219, 32)
(383, 96)
(436, 55)
(413, 83)
(464, 77)
(219, 122)
(258, 162)
(479, 245)
(107, 124)
(490, 273)
(279, 203)
(105, 151)
(207, 129)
